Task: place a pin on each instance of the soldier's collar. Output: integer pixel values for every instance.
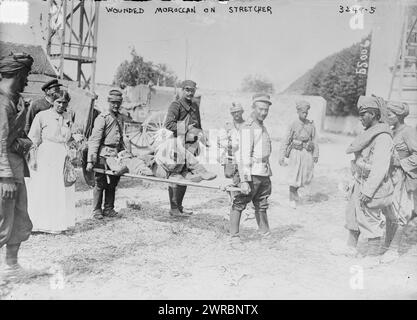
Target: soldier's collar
(186, 104)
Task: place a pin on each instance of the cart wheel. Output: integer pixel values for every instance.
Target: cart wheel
(150, 127)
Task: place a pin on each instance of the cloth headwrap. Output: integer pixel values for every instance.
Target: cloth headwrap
(399, 108)
(302, 105)
(15, 62)
(372, 102)
(115, 96)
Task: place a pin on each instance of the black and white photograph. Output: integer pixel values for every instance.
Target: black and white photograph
(208, 150)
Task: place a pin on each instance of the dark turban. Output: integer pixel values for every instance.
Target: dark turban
(401, 109)
(302, 105)
(115, 96)
(15, 62)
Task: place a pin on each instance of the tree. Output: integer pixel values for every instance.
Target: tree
(257, 83)
(335, 78)
(138, 71)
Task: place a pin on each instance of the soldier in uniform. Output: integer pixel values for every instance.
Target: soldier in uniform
(301, 147)
(183, 115)
(106, 141)
(254, 170)
(51, 93)
(15, 224)
(371, 193)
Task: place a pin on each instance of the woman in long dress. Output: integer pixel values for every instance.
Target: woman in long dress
(404, 177)
(301, 148)
(51, 204)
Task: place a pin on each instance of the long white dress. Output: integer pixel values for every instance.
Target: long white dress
(51, 205)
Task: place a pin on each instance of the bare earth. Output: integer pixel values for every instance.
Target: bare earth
(145, 254)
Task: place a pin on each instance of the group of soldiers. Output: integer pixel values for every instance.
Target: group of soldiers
(384, 168)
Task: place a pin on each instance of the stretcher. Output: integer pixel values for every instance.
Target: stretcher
(184, 182)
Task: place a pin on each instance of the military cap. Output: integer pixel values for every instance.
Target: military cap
(302, 105)
(15, 62)
(51, 84)
(236, 106)
(189, 84)
(261, 97)
(115, 96)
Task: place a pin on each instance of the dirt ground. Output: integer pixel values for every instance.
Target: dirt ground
(145, 254)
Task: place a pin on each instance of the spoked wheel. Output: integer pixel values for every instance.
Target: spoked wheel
(150, 127)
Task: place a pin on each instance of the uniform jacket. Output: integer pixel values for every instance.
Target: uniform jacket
(300, 132)
(106, 139)
(179, 110)
(373, 150)
(12, 125)
(254, 150)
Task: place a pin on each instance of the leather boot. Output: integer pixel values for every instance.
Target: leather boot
(175, 209)
(263, 225)
(109, 197)
(234, 222)
(97, 202)
(180, 197)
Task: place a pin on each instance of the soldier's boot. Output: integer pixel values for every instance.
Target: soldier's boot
(174, 202)
(201, 171)
(235, 242)
(97, 202)
(109, 197)
(180, 197)
(392, 254)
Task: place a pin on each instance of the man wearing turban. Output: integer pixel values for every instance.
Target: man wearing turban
(15, 224)
(301, 147)
(371, 193)
(106, 141)
(403, 175)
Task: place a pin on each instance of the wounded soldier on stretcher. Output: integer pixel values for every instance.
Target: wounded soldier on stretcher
(168, 159)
